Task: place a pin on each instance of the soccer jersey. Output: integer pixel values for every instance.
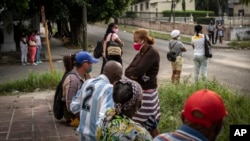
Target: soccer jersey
(92, 100)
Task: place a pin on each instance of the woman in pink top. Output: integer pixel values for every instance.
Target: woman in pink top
(32, 48)
(112, 31)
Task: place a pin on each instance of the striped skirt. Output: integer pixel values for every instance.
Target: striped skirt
(149, 113)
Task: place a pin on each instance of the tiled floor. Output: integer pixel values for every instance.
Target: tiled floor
(29, 117)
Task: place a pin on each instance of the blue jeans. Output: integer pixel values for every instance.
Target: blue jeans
(38, 53)
(200, 63)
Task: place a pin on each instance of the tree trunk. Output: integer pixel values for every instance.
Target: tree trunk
(75, 28)
(8, 31)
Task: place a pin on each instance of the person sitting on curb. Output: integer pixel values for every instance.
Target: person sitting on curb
(202, 118)
(117, 123)
(82, 66)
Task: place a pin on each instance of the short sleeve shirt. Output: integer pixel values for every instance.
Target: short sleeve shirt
(176, 47)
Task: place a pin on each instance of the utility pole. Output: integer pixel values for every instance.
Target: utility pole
(84, 26)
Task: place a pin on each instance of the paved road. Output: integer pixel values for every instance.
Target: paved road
(231, 67)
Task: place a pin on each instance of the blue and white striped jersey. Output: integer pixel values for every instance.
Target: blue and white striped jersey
(92, 100)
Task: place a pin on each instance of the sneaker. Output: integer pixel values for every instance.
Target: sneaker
(34, 64)
(27, 63)
(74, 122)
(23, 64)
(40, 62)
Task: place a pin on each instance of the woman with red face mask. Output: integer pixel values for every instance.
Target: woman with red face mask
(111, 34)
(144, 69)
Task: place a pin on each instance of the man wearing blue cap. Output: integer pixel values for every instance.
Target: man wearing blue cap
(73, 81)
(94, 98)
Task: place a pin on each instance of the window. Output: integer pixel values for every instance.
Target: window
(147, 5)
(136, 8)
(141, 7)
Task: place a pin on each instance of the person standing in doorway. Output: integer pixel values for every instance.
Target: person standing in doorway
(177, 47)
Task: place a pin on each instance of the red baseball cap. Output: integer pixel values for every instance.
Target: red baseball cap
(204, 107)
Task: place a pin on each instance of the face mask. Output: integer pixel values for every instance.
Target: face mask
(137, 46)
(115, 30)
(89, 70)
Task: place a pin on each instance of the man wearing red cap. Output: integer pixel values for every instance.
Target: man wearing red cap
(202, 118)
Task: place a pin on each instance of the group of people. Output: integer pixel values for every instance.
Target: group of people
(216, 32)
(112, 107)
(200, 60)
(31, 44)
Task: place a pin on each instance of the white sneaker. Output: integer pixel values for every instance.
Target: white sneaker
(27, 63)
(23, 64)
(34, 64)
(40, 62)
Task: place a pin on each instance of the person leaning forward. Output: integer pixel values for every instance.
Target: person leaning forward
(202, 118)
(94, 98)
(117, 123)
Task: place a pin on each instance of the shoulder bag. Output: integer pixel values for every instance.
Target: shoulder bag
(208, 53)
(171, 56)
(113, 47)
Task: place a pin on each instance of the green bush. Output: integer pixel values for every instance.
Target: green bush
(131, 14)
(195, 14)
(204, 20)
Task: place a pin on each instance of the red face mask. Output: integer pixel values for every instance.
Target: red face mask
(137, 46)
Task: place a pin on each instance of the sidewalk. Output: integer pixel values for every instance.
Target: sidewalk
(29, 117)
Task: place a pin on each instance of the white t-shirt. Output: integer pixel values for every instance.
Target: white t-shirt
(38, 40)
(198, 42)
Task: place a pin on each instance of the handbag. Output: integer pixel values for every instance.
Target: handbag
(171, 56)
(32, 43)
(98, 49)
(208, 53)
(113, 47)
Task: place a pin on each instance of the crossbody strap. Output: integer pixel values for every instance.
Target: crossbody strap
(111, 37)
(171, 47)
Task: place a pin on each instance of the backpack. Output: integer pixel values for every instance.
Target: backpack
(98, 49)
(58, 105)
(171, 56)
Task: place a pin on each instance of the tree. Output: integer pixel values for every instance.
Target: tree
(244, 2)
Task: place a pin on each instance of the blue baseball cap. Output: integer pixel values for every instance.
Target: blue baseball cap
(84, 56)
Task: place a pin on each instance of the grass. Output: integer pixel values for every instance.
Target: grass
(33, 82)
(240, 44)
(172, 98)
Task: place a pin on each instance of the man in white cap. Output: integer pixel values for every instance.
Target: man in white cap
(177, 47)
